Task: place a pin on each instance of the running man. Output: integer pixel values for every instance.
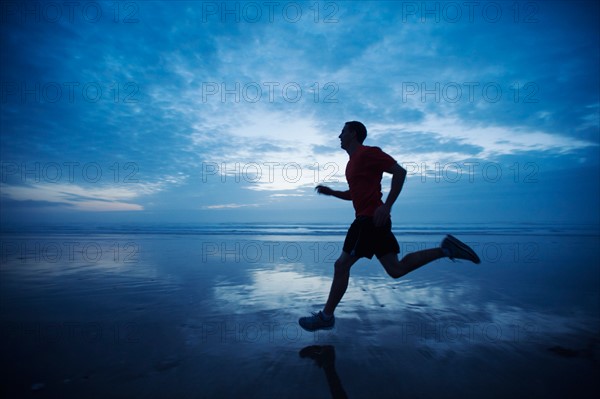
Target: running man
(371, 232)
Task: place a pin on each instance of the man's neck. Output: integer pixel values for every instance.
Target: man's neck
(352, 148)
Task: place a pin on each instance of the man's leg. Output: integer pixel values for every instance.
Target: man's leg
(451, 247)
(325, 320)
(341, 275)
(398, 268)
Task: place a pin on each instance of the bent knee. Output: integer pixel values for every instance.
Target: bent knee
(394, 273)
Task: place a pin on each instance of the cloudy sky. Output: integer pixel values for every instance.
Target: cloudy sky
(230, 111)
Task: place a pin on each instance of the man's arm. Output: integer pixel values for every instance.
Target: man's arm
(398, 177)
(345, 195)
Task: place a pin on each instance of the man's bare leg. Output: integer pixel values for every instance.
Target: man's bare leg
(394, 267)
(451, 247)
(341, 275)
(325, 320)
(398, 268)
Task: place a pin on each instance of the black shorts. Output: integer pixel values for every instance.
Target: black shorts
(363, 239)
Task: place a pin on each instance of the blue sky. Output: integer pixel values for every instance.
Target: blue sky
(222, 112)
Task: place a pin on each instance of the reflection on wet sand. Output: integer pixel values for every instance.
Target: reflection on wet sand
(174, 324)
(437, 311)
(324, 357)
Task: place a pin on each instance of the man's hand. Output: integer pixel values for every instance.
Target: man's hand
(381, 215)
(323, 190)
(345, 195)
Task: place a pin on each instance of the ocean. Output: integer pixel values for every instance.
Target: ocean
(211, 311)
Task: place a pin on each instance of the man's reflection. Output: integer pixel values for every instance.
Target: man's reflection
(324, 357)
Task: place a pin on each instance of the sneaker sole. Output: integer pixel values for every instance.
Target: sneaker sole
(316, 329)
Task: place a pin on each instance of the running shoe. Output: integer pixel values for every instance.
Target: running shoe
(459, 250)
(316, 322)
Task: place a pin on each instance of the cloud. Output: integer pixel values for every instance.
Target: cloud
(79, 198)
(276, 94)
(476, 140)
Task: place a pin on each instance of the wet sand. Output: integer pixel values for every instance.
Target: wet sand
(200, 316)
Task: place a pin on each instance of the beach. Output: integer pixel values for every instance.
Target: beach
(211, 312)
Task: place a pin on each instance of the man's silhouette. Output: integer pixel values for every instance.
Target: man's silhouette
(324, 357)
(371, 232)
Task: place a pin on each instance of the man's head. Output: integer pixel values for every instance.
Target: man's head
(358, 128)
(353, 132)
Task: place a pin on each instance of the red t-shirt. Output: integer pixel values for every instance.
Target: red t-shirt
(363, 172)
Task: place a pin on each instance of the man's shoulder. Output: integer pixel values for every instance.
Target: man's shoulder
(371, 149)
(376, 155)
